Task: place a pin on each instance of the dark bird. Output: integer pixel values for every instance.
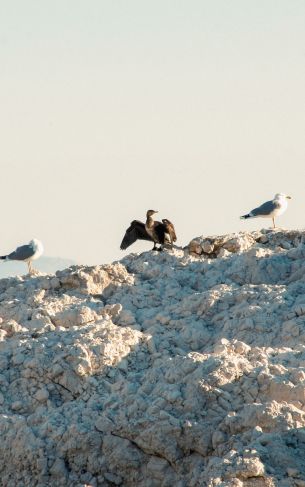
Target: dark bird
(170, 230)
(153, 231)
(136, 231)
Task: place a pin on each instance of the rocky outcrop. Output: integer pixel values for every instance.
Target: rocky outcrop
(223, 245)
(184, 368)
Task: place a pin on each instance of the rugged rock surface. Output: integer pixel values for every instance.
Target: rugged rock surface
(184, 368)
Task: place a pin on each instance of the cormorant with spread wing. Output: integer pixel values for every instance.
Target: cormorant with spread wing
(153, 231)
(170, 230)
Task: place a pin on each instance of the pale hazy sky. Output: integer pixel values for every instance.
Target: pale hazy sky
(195, 108)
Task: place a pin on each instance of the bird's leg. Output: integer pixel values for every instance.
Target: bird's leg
(155, 246)
(34, 271)
(273, 222)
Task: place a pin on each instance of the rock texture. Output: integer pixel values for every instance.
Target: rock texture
(184, 368)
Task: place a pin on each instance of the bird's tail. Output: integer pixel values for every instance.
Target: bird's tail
(244, 217)
(3, 257)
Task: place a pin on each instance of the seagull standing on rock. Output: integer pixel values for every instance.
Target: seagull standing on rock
(26, 253)
(270, 209)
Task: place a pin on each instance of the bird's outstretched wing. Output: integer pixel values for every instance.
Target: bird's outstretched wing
(136, 231)
(22, 253)
(170, 229)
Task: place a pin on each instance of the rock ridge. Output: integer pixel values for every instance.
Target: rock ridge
(183, 368)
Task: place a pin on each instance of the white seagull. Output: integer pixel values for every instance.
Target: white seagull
(31, 251)
(270, 209)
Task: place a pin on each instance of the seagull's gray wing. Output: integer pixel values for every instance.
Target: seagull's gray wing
(22, 253)
(265, 209)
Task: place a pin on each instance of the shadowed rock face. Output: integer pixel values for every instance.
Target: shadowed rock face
(182, 368)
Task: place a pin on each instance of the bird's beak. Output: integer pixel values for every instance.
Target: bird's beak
(156, 211)
(288, 197)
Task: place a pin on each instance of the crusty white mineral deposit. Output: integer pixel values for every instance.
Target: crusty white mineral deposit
(183, 368)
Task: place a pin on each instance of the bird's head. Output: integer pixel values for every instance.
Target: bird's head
(36, 244)
(151, 213)
(282, 196)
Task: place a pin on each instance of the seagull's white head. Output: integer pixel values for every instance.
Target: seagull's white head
(37, 245)
(282, 196)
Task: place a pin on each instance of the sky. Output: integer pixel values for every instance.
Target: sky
(109, 108)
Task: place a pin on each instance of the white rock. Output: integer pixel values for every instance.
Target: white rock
(210, 392)
(42, 395)
(241, 347)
